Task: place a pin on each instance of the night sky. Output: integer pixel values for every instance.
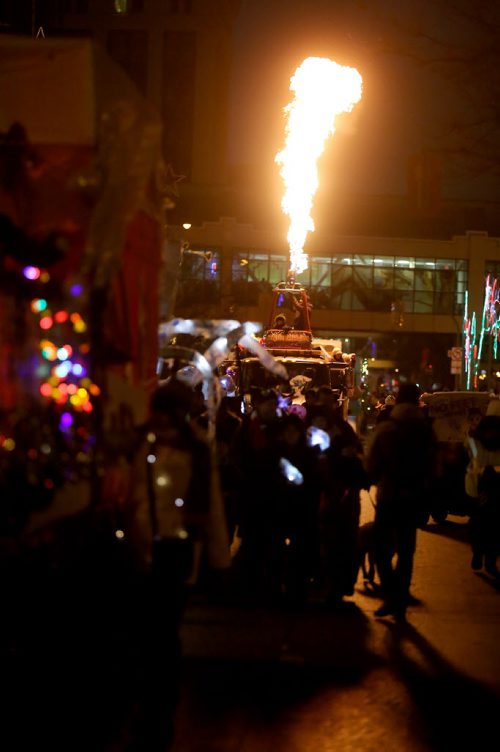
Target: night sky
(406, 106)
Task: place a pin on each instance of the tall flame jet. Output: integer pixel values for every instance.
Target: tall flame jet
(323, 89)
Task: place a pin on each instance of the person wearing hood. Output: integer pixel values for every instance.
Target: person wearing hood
(484, 521)
(401, 463)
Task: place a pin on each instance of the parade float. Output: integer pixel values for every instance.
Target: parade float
(307, 361)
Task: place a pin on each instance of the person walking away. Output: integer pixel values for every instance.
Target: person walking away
(484, 521)
(401, 463)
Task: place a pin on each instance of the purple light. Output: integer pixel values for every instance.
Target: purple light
(76, 290)
(66, 421)
(31, 272)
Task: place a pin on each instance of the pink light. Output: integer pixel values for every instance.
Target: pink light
(46, 322)
(31, 272)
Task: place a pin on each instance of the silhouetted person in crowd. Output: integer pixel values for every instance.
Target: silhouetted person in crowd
(401, 462)
(254, 463)
(227, 426)
(342, 476)
(168, 512)
(294, 553)
(385, 409)
(484, 522)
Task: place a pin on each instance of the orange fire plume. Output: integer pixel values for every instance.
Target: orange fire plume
(323, 89)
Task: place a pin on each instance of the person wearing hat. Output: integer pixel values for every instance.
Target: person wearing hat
(280, 321)
(484, 522)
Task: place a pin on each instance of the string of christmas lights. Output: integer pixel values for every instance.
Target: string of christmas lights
(490, 324)
(50, 439)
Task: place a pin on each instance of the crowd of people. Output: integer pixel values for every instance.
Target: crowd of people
(264, 508)
(290, 477)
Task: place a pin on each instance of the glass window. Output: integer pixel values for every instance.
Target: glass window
(405, 263)
(404, 302)
(364, 281)
(277, 269)
(445, 281)
(387, 261)
(239, 267)
(365, 295)
(341, 286)
(320, 297)
(342, 258)
(425, 263)
(320, 272)
(362, 260)
(362, 276)
(258, 268)
(445, 264)
(423, 302)
(383, 278)
(424, 279)
(200, 262)
(404, 279)
(199, 281)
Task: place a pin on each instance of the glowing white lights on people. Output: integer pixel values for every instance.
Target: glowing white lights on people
(317, 437)
(291, 473)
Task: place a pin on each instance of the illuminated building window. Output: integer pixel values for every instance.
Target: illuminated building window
(254, 272)
(199, 280)
(359, 282)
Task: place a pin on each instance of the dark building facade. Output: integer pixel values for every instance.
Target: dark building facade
(403, 269)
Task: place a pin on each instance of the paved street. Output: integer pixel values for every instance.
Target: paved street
(256, 680)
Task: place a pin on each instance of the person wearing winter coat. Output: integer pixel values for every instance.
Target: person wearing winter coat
(401, 463)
